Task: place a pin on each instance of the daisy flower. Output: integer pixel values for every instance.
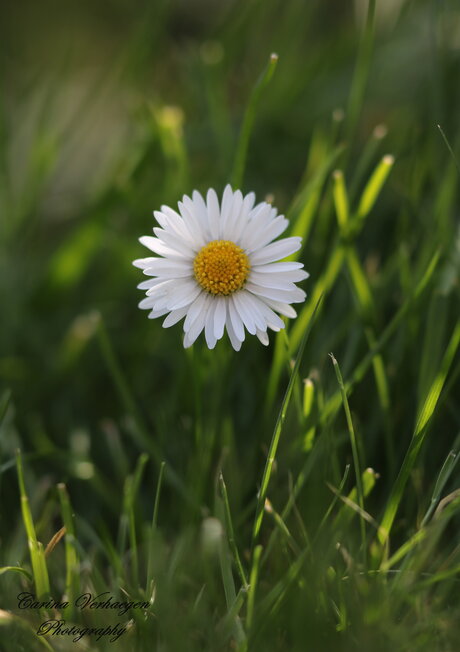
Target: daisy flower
(216, 266)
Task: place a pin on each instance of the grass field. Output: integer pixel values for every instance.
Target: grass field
(301, 496)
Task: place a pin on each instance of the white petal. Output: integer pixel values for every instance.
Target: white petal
(147, 302)
(199, 205)
(161, 287)
(267, 232)
(143, 263)
(176, 225)
(276, 250)
(209, 326)
(259, 219)
(177, 243)
(251, 302)
(175, 316)
(276, 281)
(157, 313)
(235, 320)
(275, 268)
(234, 230)
(245, 312)
(263, 337)
(220, 316)
(283, 308)
(228, 219)
(169, 268)
(199, 323)
(226, 205)
(272, 320)
(196, 227)
(149, 283)
(212, 204)
(182, 295)
(236, 343)
(288, 296)
(194, 310)
(158, 247)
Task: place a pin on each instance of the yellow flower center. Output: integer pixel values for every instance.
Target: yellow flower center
(221, 267)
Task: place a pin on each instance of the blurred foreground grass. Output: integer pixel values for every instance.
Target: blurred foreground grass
(153, 457)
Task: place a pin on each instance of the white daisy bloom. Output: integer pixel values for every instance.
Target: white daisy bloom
(216, 266)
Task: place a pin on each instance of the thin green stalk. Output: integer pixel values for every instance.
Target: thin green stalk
(153, 528)
(252, 587)
(248, 122)
(278, 429)
(448, 145)
(230, 532)
(355, 451)
(37, 553)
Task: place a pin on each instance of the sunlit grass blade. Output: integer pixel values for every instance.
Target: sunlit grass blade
(16, 569)
(407, 547)
(372, 189)
(253, 580)
(424, 416)
(248, 122)
(340, 199)
(278, 429)
(37, 553)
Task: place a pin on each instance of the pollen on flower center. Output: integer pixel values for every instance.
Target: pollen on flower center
(221, 267)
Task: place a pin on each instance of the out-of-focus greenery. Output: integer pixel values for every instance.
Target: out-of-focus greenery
(107, 111)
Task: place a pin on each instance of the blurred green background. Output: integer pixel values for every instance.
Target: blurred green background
(109, 109)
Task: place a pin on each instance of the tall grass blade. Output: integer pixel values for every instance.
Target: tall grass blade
(278, 429)
(248, 122)
(424, 416)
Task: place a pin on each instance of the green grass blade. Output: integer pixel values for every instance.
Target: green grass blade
(361, 369)
(248, 122)
(37, 553)
(340, 195)
(252, 587)
(153, 529)
(373, 188)
(230, 532)
(361, 73)
(424, 416)
(354, 449)
(278, 429)
(444, 475)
